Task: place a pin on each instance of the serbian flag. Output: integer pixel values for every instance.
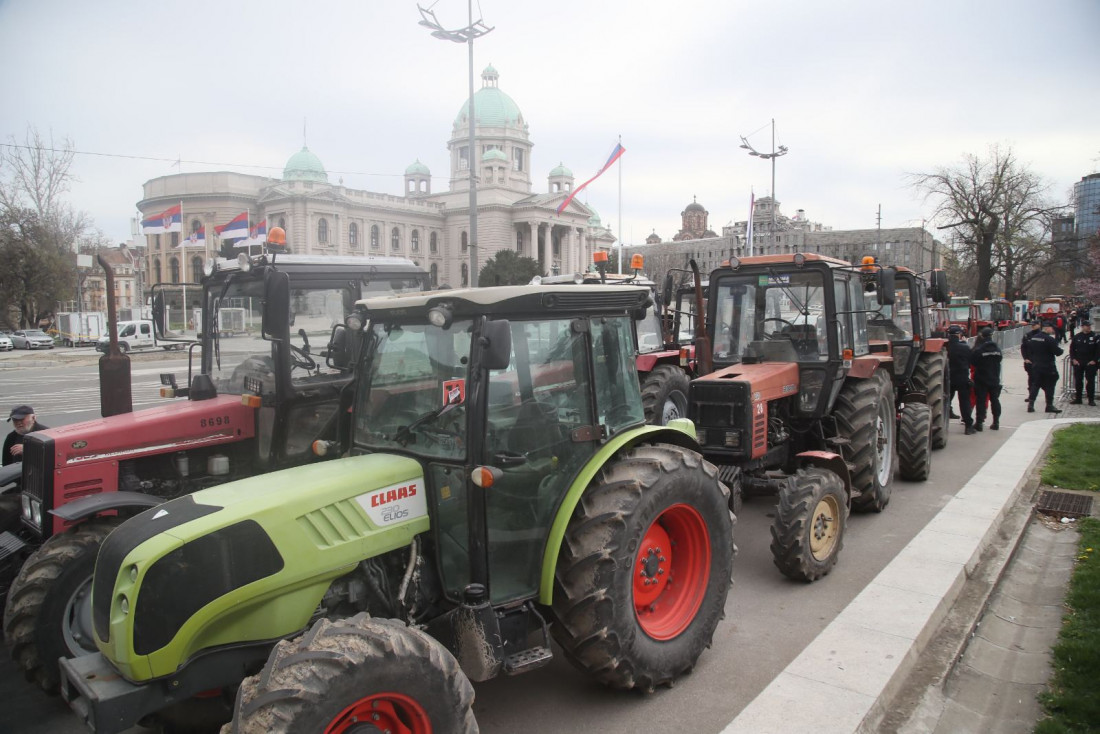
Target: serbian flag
(615, 153)
(196, 238)
(235, 229)
(169, 220)
(256, 236)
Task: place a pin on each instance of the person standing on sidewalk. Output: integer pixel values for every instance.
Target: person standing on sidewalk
(1023, 353)
(986, 359)
(1084, 350)
(1042, 349)
(958, 365)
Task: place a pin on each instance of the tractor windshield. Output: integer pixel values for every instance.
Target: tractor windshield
(891, 322)
(649, 332)
(415, 391)
(773, 316)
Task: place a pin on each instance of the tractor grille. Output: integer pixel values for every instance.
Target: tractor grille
(583, 301)
(38, 470)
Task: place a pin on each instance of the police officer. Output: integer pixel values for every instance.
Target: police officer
(986, 357)
(1084, 351)
(1041, 350)
(958, 365)
(1035, 324)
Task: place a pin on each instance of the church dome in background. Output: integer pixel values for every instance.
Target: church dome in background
(494, 108)
(304, 166)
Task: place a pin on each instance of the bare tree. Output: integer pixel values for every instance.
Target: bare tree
(994, 207)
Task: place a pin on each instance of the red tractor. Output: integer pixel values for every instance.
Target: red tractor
(258, 402)
(797, 403)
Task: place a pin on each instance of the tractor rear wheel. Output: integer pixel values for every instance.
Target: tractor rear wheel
(915, 442)
(644, 569)
(865, 415)
(808, 531)
(931, 378)
(665, 394)
(356, 674)
(48, 613)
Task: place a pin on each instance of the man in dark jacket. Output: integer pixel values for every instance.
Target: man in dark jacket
(986, 357)
(1084, 351)
(958, 365)
(1040, 350)
(1035, 324)
(24, 422)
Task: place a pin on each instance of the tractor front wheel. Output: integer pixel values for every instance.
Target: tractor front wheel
(644, 569)
(356, 675)
(932, 378)
(808, 531)
(664, 394)
(48, 613)
(865, 415)
(915, 442)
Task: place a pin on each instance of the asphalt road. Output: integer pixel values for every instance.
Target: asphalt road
(769, 619)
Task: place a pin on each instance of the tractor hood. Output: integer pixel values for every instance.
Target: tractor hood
(246, 561)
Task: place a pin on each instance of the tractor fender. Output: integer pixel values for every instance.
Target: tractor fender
(866, 366)
(828, 460)
(96, 504)
(680, 432)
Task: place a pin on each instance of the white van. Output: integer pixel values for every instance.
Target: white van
(131, 335)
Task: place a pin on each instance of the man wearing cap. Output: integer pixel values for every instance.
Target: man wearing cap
(958, 365)
(986, 357)
(23, 420)
(1041, 349)
(1084, 350)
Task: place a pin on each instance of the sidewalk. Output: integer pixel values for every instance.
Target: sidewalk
(848, 678)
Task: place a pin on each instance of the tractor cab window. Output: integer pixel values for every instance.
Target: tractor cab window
(649, 332)
(414, 393)
(891, 322)
(313, 313)
(774, 316)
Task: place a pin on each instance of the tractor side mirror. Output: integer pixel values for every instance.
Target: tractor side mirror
(938, 290)
(276, 315)
(666, 290)
(337, 355)
(885, 285)
(496, 344)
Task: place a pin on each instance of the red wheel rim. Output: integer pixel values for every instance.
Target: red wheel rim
(392, 712)
(671, 572)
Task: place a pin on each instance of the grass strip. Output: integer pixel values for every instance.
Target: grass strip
(1074, 458)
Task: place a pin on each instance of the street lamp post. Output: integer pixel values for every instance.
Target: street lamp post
(776, 152)
(464, 35)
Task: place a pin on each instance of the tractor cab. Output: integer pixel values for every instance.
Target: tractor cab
(903, 328)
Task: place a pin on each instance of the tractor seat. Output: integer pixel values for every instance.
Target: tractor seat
(536, 428)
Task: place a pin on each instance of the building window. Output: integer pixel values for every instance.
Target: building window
(465, 242)
(395, 239)
(374, 237)
(435, 275)
(156, 270)
(195, 225)
(519, 241)
(465, 275)
(175, 239)
(282, 223)
(557, 245)
(433, 243)
(353, 235)
(196, 269)
(416, 240)
(463, 158)
(174, 267)
(517, 159)
(322, 231)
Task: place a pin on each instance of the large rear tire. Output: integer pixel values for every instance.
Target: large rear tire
(865, 415)
(808, 531)
(931, 378)
(644, 569)
(48, 613)
(352, 675)
(915, 442)
(665, 394)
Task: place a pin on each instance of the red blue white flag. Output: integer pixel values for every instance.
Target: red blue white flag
(169, 220)
(235, 229)
(256, 236)
(616, 152)
(195, 239)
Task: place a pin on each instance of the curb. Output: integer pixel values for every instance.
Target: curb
(860, 661)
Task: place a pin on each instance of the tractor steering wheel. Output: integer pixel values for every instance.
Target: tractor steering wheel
(300, 358)
(774, 333)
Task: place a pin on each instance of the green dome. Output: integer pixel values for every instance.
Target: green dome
(417, 167)
(494, 108)
(560, 170)
(594, 220)
(494, 155)
(304, 166)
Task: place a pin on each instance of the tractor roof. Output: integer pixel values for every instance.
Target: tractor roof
(789, 259)
(512, 299)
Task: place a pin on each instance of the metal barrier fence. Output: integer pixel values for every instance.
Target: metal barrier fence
(1009, 338)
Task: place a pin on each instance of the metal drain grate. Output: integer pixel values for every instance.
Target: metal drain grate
(1064, 504)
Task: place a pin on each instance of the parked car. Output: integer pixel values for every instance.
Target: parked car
(5, 342)
(31, 339)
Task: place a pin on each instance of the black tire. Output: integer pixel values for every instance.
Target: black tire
(808, 531)
(123, 347)
(915, 442)
(48, 612)
(610, 624)
(931, 378)
(665, 394)
(865, 415)
(312, 683)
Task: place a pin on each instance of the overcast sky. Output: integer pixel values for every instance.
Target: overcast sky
(862, 92)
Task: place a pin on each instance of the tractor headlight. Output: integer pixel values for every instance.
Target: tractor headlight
(732, 439)
(701, 436)
(36, 513)
(25, 502)
(123, 604)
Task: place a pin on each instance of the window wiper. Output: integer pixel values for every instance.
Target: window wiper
(790, 294)
(404, 433)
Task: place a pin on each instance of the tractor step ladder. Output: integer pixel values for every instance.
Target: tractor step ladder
(529, 659)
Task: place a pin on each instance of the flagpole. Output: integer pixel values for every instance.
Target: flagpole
(620, 162)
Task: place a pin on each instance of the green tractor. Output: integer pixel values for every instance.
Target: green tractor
(497, 485)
